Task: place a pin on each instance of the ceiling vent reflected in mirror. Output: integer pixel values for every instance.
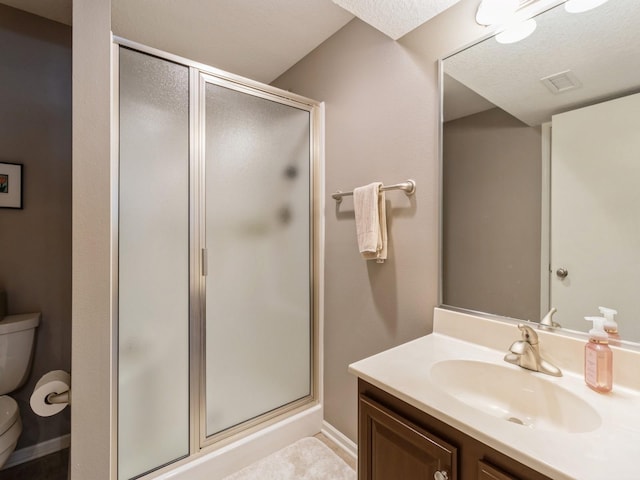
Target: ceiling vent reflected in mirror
(561, 82)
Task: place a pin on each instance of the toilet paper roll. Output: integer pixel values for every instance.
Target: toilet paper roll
(56, 381)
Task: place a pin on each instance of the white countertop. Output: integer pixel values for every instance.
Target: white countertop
(607, 452)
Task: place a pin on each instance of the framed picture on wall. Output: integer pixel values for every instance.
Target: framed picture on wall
(10, 185)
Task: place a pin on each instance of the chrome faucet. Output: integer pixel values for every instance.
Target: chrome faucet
(548, 321)
(526, 353)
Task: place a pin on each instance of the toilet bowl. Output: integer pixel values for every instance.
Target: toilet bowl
(10, 427)
(17, 333)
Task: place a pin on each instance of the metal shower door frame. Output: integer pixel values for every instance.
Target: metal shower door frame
(199, 75)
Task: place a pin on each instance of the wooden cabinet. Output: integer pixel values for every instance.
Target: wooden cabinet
(397, 449)
(399, 442)
(487, 472)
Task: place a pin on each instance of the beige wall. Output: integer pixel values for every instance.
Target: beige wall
(93, 396)
(376, 130)
(382, 110)
(35, 242)
(492, 197)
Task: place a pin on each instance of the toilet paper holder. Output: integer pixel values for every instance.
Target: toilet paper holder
(58, 398)
(52, 393)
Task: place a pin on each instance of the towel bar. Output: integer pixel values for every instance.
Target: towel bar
(409, 188)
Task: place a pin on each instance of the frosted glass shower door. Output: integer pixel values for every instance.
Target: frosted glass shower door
(258, 293)
(153, 280)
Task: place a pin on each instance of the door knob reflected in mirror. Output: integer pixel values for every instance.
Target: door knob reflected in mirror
(440, 475)
(562, 272)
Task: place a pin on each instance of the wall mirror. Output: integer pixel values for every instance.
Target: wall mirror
(541, 162)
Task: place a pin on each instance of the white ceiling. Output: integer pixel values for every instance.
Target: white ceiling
(395, 18)
(259, 39)
(601, 47)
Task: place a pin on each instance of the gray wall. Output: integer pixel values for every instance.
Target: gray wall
(35, 242)
(377, 117)
(491, 248)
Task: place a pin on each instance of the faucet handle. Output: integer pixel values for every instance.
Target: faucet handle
(528, 334)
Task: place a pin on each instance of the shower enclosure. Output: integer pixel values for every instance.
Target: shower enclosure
(218, 256)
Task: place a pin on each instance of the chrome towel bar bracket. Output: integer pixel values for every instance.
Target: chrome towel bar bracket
(409, 188)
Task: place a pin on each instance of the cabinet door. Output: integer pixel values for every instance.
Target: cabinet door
(488, 472)
(392, 448)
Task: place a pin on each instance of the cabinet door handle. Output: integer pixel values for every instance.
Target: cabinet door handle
(440, 475)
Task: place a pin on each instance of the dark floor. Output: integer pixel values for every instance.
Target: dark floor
(49, 467)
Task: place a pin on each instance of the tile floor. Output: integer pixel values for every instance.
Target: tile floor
(49, 467)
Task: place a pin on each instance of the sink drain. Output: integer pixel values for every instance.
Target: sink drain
(515, 420)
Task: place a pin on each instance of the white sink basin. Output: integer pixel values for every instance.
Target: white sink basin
(515, 395)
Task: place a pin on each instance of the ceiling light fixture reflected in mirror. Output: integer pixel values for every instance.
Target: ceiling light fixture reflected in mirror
(496, 12)
(578, 6)
(517, 31)
(509, 17)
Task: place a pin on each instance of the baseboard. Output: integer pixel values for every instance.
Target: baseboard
(38, 450)
(339, 439)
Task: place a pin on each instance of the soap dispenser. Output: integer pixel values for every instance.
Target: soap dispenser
(598, 358)
(610, 324)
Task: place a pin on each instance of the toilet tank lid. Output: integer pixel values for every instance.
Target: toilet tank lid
(16, 323)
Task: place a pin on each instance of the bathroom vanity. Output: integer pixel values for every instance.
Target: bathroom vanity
(412, 444)
(447, 406)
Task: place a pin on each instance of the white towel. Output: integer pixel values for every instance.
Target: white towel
(371, 221)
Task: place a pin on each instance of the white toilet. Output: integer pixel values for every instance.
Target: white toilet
(17, 333)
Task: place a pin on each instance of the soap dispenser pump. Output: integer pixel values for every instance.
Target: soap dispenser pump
(610, 324)
(598, 358)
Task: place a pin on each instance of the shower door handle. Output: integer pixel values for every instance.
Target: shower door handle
(205, 262)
